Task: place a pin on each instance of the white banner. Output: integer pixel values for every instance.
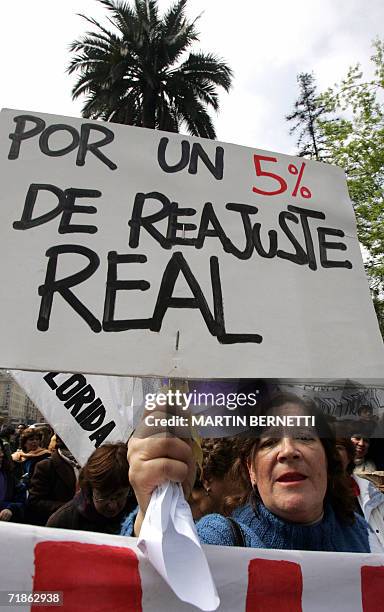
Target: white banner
(85, 411)
(137, 252)
(100, 573)
(341, 401)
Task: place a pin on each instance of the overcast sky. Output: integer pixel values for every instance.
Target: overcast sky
(265, 43)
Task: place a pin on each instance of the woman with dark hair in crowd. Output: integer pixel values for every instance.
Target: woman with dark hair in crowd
(299, 497)
(30, 453)
(363, 463)
(52, 485)
(221, 484)
(8, 436)
(19, 430)
(105, 497)
(12, 494)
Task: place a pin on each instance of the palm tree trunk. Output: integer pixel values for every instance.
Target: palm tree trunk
(149, 108)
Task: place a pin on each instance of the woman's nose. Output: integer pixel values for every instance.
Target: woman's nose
(288, 448)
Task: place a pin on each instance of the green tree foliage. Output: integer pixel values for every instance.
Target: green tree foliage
(307, 115)
(356, 143)
(138, 73)
(352, 136)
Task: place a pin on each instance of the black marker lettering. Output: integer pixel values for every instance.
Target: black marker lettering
(101, 434)
(62, 286)
(300, 257)
(26, 221)
(185, 147)
(113, 286)
(174, 226)
(137, 220)
(70, 386)
(272, 235)
(70, 208)
(84, 396)
(304, 214)
(49, 379)
(245, 210)
(324, 246)
(176, 265)
(216, 169)
(44, 140)
(93, 420)
(94, 147)
(222, 336)
(89, 410)
(209, 216)
(20, 134)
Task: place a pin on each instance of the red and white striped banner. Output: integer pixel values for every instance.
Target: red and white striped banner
(97, 573)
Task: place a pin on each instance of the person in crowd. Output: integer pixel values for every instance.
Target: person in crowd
(8, 436)
(45, 431)
(362, 461)
(29, 455)
(369, 499)
(52, 484)
(12, 494)
(19, 429)
(105, 495)
(367, 420)
(299, 497)
(220, 485)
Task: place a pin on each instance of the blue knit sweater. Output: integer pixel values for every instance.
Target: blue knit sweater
(268, 531)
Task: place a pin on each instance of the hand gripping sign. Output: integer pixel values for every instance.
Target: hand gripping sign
(135, 252)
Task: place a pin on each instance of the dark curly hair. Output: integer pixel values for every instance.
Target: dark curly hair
(339, 493)
(219, 455)
(28, 433)
(351, 451)
(222, 457)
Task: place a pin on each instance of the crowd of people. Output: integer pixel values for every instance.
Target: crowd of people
(41, 482)
(303, 489)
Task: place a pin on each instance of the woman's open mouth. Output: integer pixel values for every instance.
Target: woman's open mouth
(291, 478)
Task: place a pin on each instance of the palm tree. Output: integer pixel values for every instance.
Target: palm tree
(135, 74)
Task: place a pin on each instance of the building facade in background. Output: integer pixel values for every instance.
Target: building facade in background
(15, 405)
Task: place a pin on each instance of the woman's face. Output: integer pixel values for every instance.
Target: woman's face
(361, 446)
(110, 504)
(32, 444)
(291, 473)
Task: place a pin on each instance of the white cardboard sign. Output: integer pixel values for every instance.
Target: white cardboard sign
(110, 573)
(137, 252)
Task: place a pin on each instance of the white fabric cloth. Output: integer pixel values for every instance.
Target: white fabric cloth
(371, 501)
(169, 540)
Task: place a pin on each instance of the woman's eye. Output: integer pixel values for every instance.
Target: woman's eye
(268, 442)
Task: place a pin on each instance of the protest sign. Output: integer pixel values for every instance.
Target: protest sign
(249, 579)
(85, 411)
(137, 252)
(342, 401)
